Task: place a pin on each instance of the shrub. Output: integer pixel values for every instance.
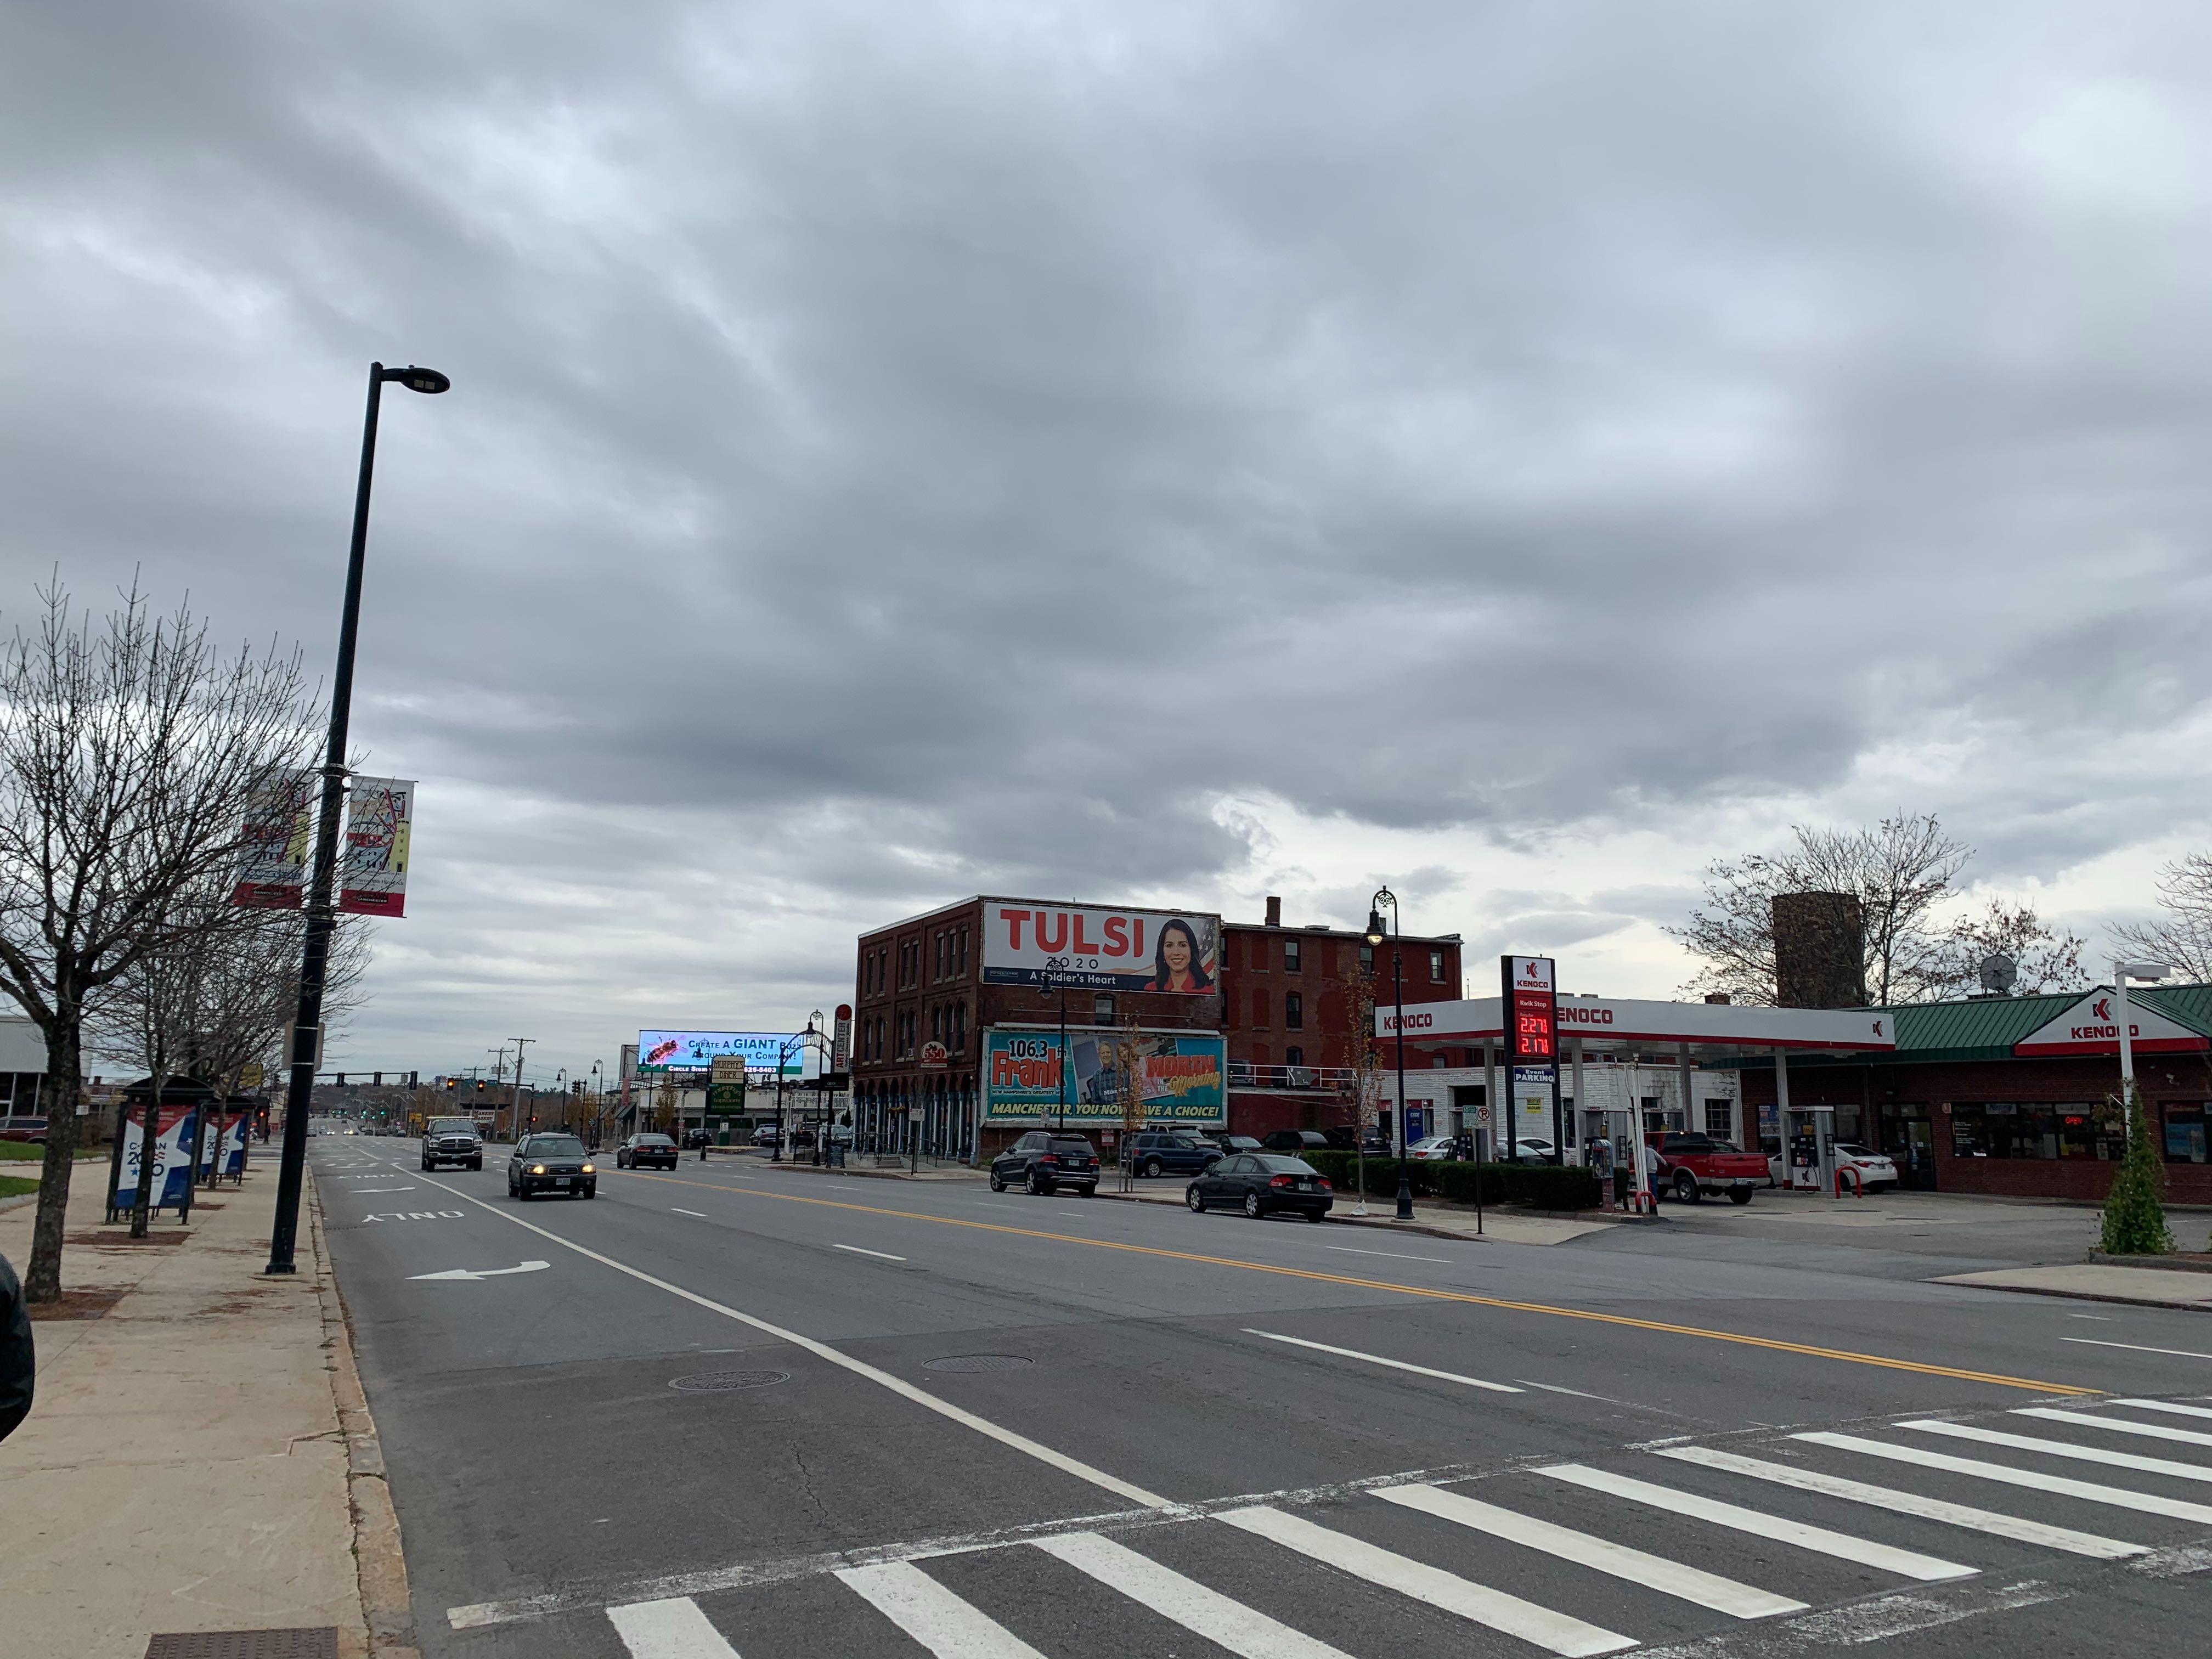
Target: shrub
(2135, 1217)
(1539, 1186)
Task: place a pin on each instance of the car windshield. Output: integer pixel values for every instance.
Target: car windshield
(654, 1140)
(556, 1146)
(1851, 1149)
(1058, 1144)
(452, 1126)
(1276, 1164)
(1726, 1146)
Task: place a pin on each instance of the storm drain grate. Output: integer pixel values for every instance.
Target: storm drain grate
(320, 1642)
(722, 1381)
(976, 1361)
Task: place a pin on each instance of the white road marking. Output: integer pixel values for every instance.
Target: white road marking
(1377, 1360)
(1395, 1255)
(2166, 1406)
(485, 1273)
(880, 1256)
(1554, 1388)
(2135, 1347)
(2116, 1425)
(1888, 1558)
(1906, 1503)
(1559, 1632)
(383, 1189)
(898, 1385)
(674, 1628)
(1243, 1631)
(2118, 1498)
(1687, 1583)
(696, 1215)
(948, 1627)
(2102, 1319)
(2063, 1449)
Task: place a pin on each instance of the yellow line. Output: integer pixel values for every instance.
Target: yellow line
(1849, 1355)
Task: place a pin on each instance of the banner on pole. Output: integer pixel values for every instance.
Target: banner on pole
(373, 862)
(280, 820)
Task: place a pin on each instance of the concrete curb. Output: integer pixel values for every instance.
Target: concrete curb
(387, 1612)
(2082, 1296)
(2162, 1263)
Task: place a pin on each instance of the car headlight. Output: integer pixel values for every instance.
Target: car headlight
(538, 1169)
(590, 1169)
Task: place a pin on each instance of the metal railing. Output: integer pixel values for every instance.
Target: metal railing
(1334, 1079)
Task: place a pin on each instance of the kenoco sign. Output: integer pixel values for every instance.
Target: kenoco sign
(1025, 943)
(2089, 1028)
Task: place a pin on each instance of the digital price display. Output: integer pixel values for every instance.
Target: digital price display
(1531, 1006)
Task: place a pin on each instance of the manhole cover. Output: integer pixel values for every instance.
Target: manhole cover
(976, 1361)
(318, 1643)
(720, 1382)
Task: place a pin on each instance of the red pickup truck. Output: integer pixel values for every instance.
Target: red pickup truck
(1690, 1165)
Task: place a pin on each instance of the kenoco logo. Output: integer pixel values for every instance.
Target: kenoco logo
(1572, 1015)
(1411, 1022)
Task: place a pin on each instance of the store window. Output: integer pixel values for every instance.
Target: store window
(1292, 956)
(1294, 1011)
(1366, 958)
(1720, 1118)
(2032, 1129)
(1436, 967)
(2184, 1131)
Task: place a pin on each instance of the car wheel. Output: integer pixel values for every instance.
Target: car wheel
(1088, 1192)
(476, 1163)
(1252, 1205)
(1740, 1195)
(1039, 1187)
(1195, 1200)
(997, 1185)
(1316, 1216)
(427, 1166)
(1152, 1167)
(1686, 1187)
(592, 1191)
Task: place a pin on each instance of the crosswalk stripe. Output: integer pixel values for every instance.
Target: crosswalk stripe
(2118, 1425)
(1888, 1558)
(2166, 1406)
(2118, 1497)
(1377, 1360)
(948, 1627)
(1687, 1583)
(674, 1628)
(2064, 1449)
(1232, 1624)
(1559, 1632)
(1906, 1503)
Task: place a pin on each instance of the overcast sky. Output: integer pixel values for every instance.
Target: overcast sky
(1135, 451)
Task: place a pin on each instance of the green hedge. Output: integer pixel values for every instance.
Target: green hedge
(1539, 1186)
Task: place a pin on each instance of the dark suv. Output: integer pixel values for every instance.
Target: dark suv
(1170, 1151)
(1295, 1141)
(453, 1141)
(1045, 1162)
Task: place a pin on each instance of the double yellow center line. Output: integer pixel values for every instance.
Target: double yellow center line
(1847, 1355)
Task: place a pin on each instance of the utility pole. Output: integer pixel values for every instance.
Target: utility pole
(517, 1043)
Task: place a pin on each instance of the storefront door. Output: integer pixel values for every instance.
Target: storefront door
(1910, 1140)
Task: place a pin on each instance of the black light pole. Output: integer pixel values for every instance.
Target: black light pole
(322, 916)
(1375, 936)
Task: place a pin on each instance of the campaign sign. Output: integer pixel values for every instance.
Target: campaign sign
(232, 1162)
(172, 1132)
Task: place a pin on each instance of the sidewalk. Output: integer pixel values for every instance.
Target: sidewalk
(2097, 1282)
(185, 1467)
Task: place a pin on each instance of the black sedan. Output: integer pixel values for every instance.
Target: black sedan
(551, 1163)
(1260, 1183)
(640, 1151)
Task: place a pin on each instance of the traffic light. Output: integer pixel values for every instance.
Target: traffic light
(411, 1081)
(451, 1083)
(480, 1086)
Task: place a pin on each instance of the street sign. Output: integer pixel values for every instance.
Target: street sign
(726, 1097)
(727, 1068)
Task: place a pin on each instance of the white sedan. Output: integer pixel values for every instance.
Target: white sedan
(1433, 1146)
(1877, 1171)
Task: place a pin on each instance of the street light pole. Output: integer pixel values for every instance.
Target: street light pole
(1375, 936)
(322, 914)
(2121, 973)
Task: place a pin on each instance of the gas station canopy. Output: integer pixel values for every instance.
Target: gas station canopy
(1627, 1023)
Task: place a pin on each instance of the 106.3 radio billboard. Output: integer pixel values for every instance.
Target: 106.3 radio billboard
(1025, 943)
(1182, 1076)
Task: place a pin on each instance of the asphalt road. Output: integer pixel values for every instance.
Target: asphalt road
(748, 1410)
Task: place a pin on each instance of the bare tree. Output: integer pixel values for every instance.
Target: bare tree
(2183, 939)
(129, 750)
(1899, 870)
(2043, 958)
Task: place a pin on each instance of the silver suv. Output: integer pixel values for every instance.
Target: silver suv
(453, 1141)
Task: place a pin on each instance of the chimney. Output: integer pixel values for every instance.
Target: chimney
(1716, 996)
(1275, 911)
(1819, 950)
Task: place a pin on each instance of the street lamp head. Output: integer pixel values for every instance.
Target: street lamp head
(427, 381)
(1374, 926)
(2144, 970)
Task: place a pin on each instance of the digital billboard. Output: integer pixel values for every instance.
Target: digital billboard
(695, 1051)
(1184, 1074)
(1026, 943)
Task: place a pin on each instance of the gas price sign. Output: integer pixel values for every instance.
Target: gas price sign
(1532, 1008)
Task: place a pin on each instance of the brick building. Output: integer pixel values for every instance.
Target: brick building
(2013, 1095)
(924, 1004)
(1291, 1013)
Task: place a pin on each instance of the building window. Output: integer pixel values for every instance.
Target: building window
(1366, 958)
(937, 1025)
(1259, 1010)
(2184, 1131)
(1294, 1055)
(1261, 1056)
(1294, 1011)
(1437, 1061)
(1258, 963)
(1720, 1118)
(1102, 1009)
(2031, 1129)
(963, 953)
(960, 1028)
(1436, 967)
(1292, 956)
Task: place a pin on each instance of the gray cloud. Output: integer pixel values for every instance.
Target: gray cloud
(902, 450)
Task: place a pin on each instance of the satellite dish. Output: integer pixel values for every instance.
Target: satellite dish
(2000, 972)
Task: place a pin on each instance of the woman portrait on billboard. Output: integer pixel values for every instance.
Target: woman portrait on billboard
(1178, 964)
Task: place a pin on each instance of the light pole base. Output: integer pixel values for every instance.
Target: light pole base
(1405, 1197)
(281, 1267)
